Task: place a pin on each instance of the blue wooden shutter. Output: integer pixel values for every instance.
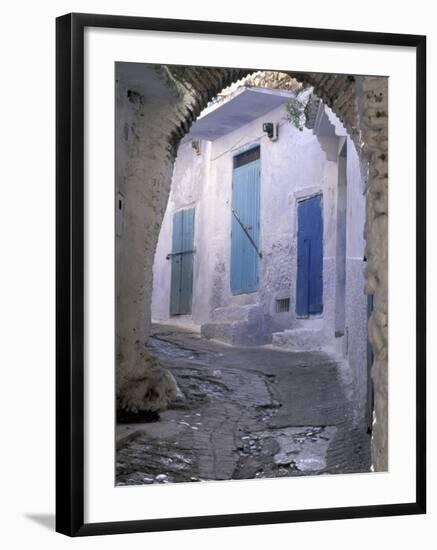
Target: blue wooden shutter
(309, 291)
(187, 262)
(176, 262)
(181, 290)
(246, 205)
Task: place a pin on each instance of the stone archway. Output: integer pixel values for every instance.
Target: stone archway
(150, 126)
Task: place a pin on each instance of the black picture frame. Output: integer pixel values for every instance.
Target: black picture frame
(70, 273)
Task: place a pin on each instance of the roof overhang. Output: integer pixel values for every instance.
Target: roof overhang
(244, 106)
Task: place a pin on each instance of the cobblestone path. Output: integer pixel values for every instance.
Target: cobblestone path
(248, 413)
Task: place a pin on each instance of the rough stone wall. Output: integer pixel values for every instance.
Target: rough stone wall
(361, 104)
(373, 94)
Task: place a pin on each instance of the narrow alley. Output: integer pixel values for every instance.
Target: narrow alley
(249, 412)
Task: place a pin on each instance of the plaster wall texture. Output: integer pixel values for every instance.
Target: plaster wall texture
(293, 168)
(356, 299)
(189, 190)
(142, 183)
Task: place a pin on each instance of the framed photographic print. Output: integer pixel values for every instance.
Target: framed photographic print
(240, 274)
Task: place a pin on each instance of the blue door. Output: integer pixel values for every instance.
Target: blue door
(309, 292)
(181, 292)
(245, 222)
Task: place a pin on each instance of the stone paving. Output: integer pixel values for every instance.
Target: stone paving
(249, 413)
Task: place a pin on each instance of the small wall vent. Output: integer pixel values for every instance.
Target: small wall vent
(283, 305)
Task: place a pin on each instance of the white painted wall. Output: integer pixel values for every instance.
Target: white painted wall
(292, 168)
(189, 189)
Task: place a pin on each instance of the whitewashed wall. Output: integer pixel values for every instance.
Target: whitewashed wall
(292, 168)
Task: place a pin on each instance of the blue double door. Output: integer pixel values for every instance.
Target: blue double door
(309, 290)
(181, 292)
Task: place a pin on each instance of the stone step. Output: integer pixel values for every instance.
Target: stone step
(234, 313)
(299, 339)
(248, 327)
